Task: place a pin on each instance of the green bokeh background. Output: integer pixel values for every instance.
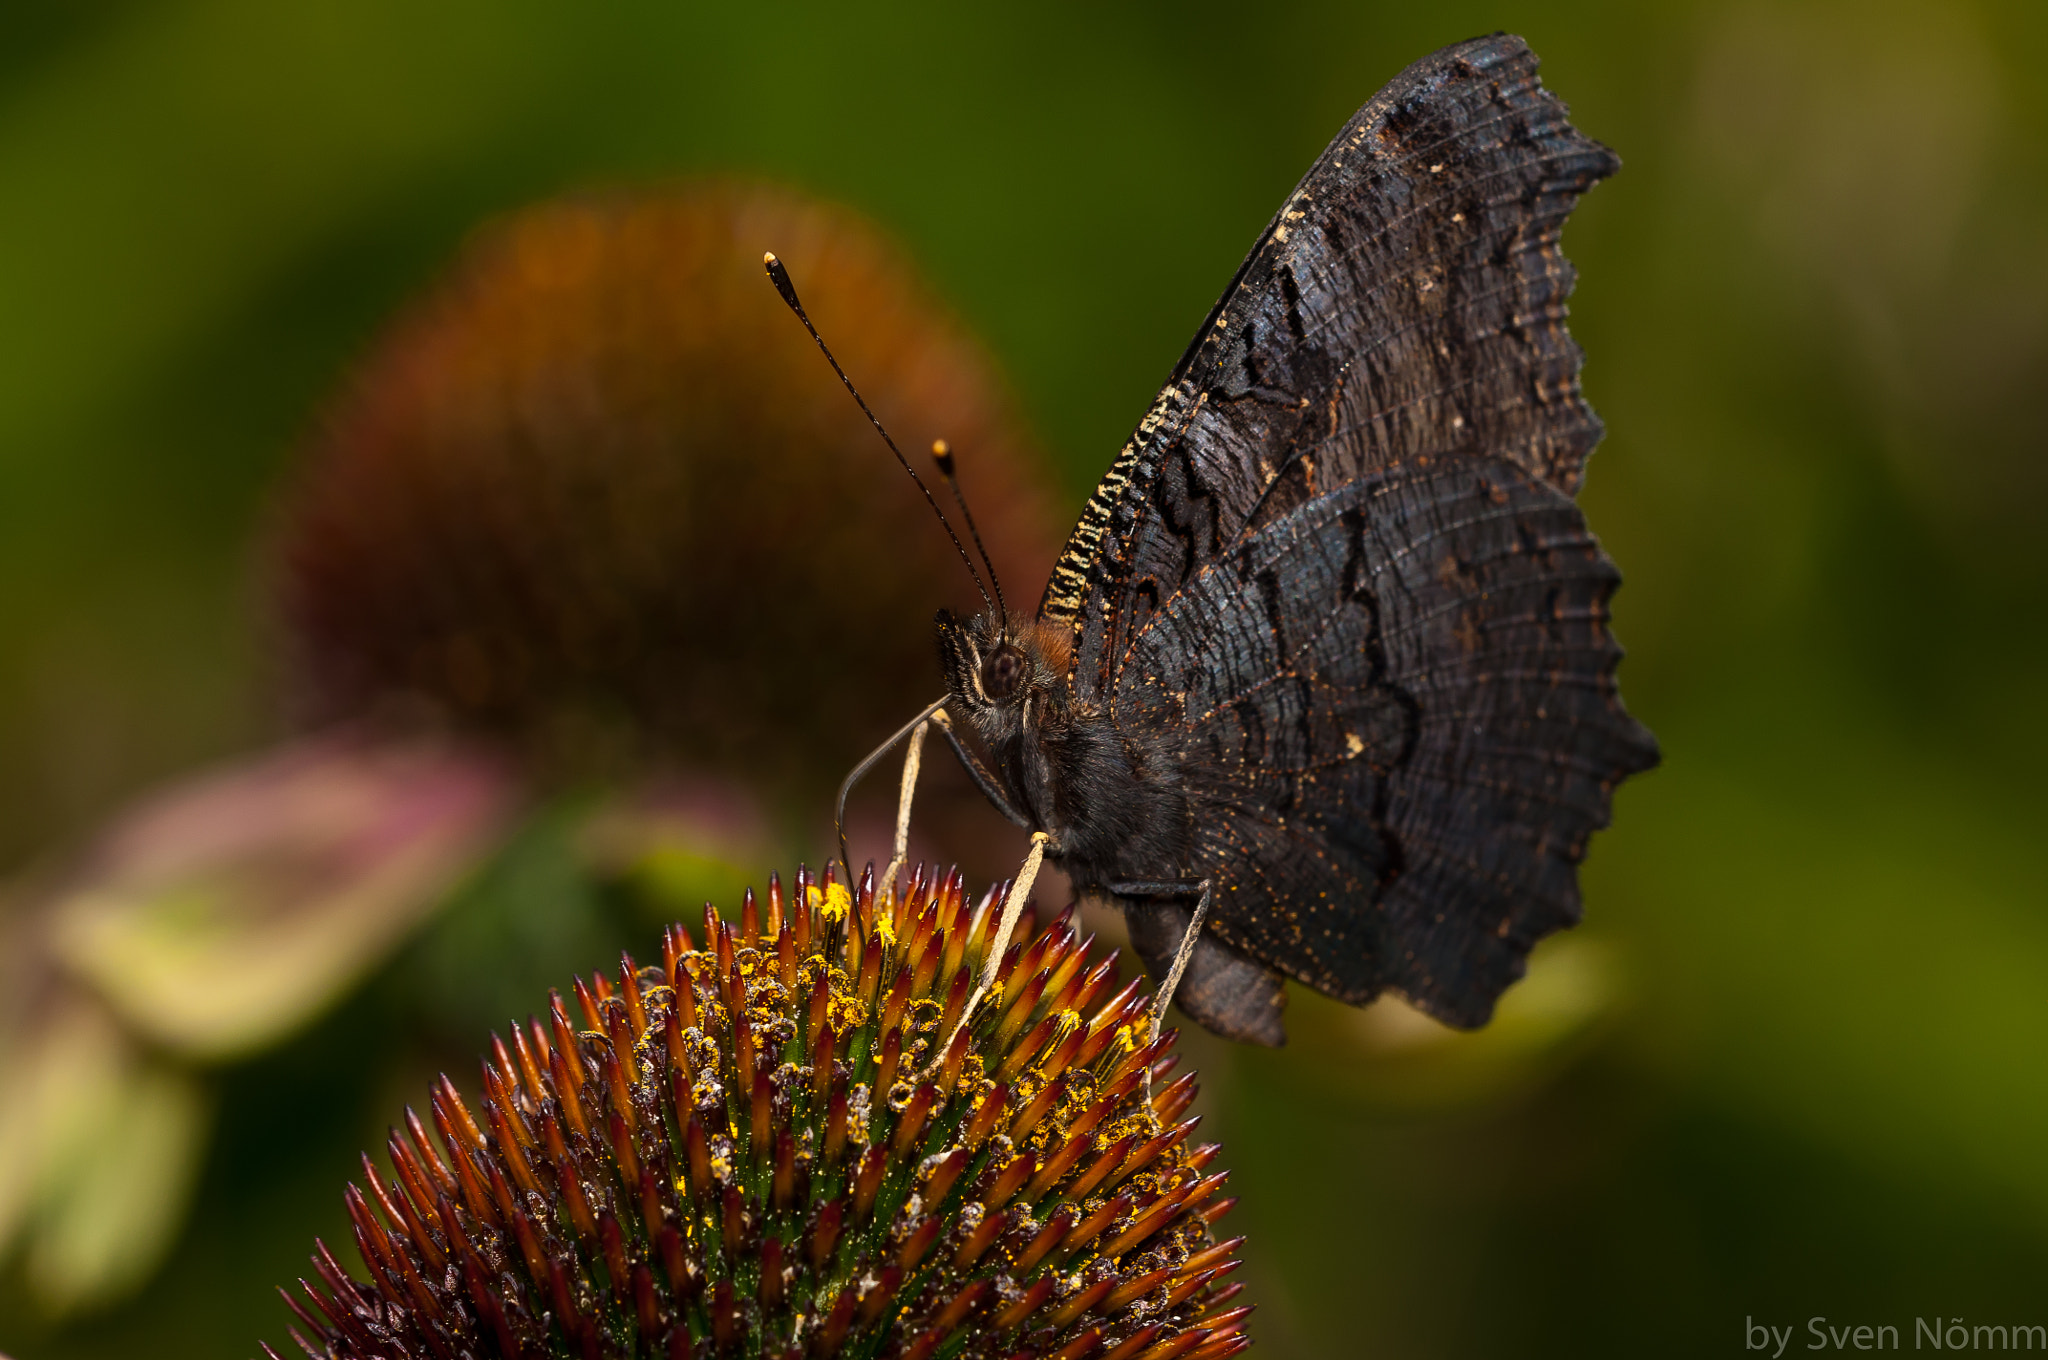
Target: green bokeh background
(1816, 308)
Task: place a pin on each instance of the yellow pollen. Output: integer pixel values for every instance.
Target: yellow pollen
(847, 1012)
(838, 902)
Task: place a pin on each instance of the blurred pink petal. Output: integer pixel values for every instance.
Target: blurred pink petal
(231, 909)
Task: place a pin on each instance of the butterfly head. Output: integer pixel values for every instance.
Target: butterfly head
(999, 675)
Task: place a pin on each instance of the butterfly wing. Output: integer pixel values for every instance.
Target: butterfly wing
(1398, 729)
(1340, 561)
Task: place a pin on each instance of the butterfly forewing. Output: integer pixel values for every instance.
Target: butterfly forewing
(1340, 563)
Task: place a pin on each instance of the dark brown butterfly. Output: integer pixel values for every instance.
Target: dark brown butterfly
(1324, 672)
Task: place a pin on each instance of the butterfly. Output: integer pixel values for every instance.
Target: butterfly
(1325, 670)
(1322, 686)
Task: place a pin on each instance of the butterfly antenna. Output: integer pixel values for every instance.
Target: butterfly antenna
(780, 278)
(942, 454)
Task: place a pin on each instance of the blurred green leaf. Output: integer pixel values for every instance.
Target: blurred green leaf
(1392, 1057)
(99, 1146)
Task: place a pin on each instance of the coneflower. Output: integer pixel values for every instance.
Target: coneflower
(591, 489)
(782, 1142)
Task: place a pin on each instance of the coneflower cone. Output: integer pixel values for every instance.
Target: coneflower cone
(588, 492)
(766, 1146)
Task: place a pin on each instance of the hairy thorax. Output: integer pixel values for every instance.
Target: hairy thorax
(1109, 797)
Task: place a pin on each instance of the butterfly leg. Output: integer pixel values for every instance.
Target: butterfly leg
(984, 778)
(1013, 907)
(854, 777)
(913, 759)
(1172, 887)
(1163, 998)
(1214, 985)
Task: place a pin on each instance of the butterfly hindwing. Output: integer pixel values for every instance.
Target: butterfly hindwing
(1399, 729)
(1339, 560)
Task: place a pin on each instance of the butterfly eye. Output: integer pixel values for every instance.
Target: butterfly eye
(1002, 673)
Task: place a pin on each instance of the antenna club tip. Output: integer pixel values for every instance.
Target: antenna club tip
(940, 448)
(779, 276)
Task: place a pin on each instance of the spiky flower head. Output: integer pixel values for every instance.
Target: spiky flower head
(594, 490)
(783, 1143)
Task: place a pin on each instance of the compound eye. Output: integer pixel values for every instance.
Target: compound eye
(1002, 673)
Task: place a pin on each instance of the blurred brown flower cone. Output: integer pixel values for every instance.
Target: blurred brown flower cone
(596, 497)
(600, 493)
(782, 1144)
